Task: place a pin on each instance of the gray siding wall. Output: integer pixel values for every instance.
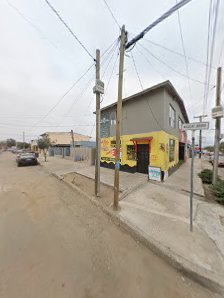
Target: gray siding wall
(142, 115)
(169, 100)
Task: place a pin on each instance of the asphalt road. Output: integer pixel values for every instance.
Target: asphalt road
(55, 243)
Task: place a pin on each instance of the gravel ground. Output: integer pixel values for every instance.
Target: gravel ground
(55, 243)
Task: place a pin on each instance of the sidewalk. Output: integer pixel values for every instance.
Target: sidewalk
(180, 180)
(61, 166)
(158, 215)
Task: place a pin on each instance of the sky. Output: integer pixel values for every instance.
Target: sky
(40, 60)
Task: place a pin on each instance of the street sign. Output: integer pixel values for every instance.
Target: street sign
(196, 126)
(217, 112)
(99, 87)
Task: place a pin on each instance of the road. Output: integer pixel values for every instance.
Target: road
(55, 243)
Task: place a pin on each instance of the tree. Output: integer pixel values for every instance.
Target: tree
(11, 142)
(22, 145)
(44, 144)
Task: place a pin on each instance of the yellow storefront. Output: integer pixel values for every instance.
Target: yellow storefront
(138, 151)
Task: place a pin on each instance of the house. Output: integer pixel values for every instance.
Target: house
(61, 142)
(151, 132)
(34, 145)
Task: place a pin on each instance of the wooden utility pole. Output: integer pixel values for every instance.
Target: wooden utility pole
(118, 118)
(97, 164)
(73, 145)
(23, 139)
(72, 135)
(217, 127)
(200, 132)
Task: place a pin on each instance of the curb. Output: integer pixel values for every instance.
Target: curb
(156, 247)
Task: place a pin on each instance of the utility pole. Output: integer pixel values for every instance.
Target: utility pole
(97, 164)
(192, 181)
(72, 135)
(23, 139)
(217, 127)
(73, 145)
(119, 117)
(200, 117)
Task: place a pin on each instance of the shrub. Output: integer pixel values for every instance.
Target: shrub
(206, 176)
(218, 190)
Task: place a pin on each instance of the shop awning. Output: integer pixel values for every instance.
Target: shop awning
(147, 139)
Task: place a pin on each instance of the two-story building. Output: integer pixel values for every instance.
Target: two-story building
(151, 132)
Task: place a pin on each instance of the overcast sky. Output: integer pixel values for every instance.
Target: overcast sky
(40, 60)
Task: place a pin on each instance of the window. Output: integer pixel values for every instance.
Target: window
(172, 117)
(172, 150)
(113, 118)
(131, 152)
(180, 123)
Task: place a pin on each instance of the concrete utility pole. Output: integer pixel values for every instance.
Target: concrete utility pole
(217, 127)
(119, 117)
(200, 132)
(23, 139)
(97, 165)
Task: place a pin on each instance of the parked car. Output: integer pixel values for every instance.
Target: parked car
(24, 159)
(221, 160)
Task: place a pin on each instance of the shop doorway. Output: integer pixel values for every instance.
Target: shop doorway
(181, 151)
(142, 158)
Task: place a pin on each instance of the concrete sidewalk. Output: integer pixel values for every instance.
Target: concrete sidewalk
(180, 180)
(162, 218)
(158, 215)
(128, 181)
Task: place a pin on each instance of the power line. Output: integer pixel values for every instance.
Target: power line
(184, 52)
(221, 51)
(68, 28)
(112, 14)
(63, 96)
(71, 87)
(30, 23)
(215, 12)
(170, 67)
(136, 70)
(114, 50)
(140, 82)
(156, 22)
(150, 63)
(177, 53)
(207, 52)
(111, 75)
(2, 125)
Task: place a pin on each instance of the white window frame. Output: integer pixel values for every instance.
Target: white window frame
(172, 116)
(180, 121)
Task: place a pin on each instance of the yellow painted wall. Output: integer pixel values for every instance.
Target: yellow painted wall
(159, 149)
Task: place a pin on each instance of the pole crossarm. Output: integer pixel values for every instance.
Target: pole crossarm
(156, 22)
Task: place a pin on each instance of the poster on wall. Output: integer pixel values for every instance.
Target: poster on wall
(154, 173)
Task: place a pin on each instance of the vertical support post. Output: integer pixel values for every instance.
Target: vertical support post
(23, 139)
(97, 164)
(73, 146)
(72, 135)
(217, 127)
(118, 118)
(200, 138)
(192, 181)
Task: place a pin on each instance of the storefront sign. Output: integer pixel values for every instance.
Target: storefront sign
(154, 173)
